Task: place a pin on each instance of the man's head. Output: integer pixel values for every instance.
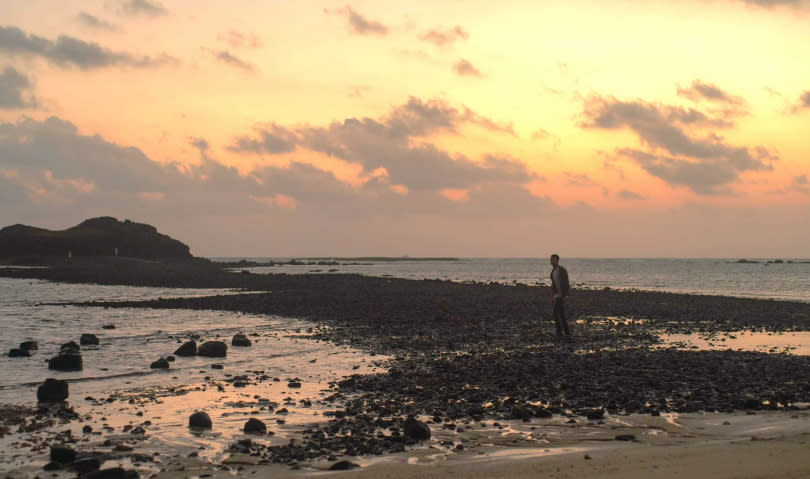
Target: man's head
(555, 259)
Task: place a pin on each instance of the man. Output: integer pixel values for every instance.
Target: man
(559, 293)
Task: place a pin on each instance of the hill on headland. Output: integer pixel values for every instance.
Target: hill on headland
(103, 236)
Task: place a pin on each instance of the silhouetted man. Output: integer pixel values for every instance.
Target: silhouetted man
(559, 294)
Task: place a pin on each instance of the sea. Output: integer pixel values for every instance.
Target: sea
(35, 310)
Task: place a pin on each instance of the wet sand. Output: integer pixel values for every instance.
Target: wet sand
(479, 365)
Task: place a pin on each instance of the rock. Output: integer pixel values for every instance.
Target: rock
(294, 384)
(112, 473)
(416, 429)
(213, 349)
(87, 465)
(52, 390)
(625, 437)
(240, 340)
(255, 426)
(52, 466)
(170, 358)
(543, 413)
(595, 414)
(187, 349)
(29, 345)
(520, 411)
(66, 360)
(108, 326)
(62, 454)
(343, 466)
(70, 345)
(217, 366)
(19, 353)
(88, 339)
(199, 420)
(161, 363)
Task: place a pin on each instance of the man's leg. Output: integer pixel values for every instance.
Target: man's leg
(563, 319)
(556, 315)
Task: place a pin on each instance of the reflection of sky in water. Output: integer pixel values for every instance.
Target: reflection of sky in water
(790, 342)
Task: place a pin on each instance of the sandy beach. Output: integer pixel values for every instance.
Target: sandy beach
(644, 388)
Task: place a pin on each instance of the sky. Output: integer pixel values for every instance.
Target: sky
(510, 129)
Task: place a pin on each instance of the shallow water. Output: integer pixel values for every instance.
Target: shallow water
(789, 342)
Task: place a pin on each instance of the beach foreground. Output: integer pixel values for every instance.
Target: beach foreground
(478, 366)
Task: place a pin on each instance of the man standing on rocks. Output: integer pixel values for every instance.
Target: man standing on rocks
(559, 295)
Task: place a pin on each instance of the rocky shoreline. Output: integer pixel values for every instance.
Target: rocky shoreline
(468, 354)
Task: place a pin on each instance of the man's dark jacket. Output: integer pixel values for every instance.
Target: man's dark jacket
(563, 287)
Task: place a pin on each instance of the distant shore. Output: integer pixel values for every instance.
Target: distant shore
(471, 353)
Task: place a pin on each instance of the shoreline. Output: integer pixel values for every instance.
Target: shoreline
(465, 354)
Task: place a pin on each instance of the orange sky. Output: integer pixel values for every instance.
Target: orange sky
(407, 127)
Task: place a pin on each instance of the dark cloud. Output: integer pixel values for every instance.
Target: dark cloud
(444, 36)
(237, 39)
(387, 143)
(94, 23)
(69, 52)
(699, 91)
(359, 24)
(143, 8)
(13, 90)
(801, 184)
(465, 68)
(229, 59)
(705, 164)
(575, 179)
(804, 102)
(775, 3)
(629, 195)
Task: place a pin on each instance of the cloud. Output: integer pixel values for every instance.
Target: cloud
(387, 143)
(227, 58)
(700, 91)
(94, 23)
(67, 52)
(575, 179)
(444, 36)
(143, 8)
(803, 103)
(13, 86)
(629, 195)
(465, 68)
(359, 24)
(237, 39)
(801, 184)
(675, 153)
(775, 3)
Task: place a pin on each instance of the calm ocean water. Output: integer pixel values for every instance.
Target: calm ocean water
(789, 281)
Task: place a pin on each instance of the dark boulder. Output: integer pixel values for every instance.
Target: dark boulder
(62, 454)
(187, 349)
(416, 429)
(294, 384)
(52, 390)
(255, 426)
(70, 345)
(213, 349)
(88, 339)
(595, 414)
(29, 345)
(66, 360)
(199, 420)
(108, 326)
(86, 465)
(112, 473)
(240, 340)
(161, 363)
(19, 353)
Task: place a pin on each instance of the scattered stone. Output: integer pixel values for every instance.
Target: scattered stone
(87, 429)
(216, 366)
(161, 363)
(70, 345)
(415, 429)
(88, 339)
(29, 345)
(240, 340)
(343, 466)
(170, 358)
(294, 384)
(187, 349)
(595, 414)
(52, 390)
(625, 437)
(255, 426)
(199, 420)
(68, 359)
(52, 466)
(62, 454)
(108, 326)
(19, 353)
(212, 349)
(87, 465)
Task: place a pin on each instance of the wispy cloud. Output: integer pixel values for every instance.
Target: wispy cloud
(359, 24)
(143, 8)
(442, 37)
(629, 195)
(699, 91)
(68, 52)
(14, 90)
(92, 22)
(236, 39)
(228, 58)
(465, 68)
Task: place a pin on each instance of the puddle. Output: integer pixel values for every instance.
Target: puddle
(797, 343)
